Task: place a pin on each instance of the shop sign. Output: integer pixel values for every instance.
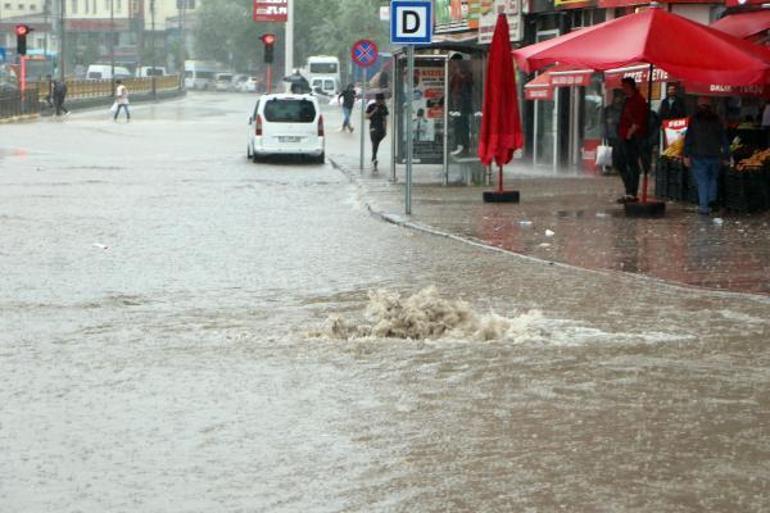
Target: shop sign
(271, 10)
(744, 3)
(571, 79)
(456, 15)
(573, 4)
(488, 19)
(538, 93)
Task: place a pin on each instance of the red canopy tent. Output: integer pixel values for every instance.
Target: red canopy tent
(682, 47)
(744, 25)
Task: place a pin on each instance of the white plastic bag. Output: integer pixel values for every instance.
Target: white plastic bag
(114, 108)
(603, 156)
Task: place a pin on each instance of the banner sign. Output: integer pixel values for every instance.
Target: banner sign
(271, 10)
(488, 19)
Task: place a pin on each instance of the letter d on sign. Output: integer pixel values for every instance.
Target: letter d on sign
(410, 22)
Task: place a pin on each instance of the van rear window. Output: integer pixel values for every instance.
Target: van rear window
(284, 110)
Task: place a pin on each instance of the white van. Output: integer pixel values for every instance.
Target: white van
(223, 81)
(104, 72)
(286, 124)
(149, 71)
(328, 86)
(200, 74)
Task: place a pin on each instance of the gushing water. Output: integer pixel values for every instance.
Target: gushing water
(425, 315)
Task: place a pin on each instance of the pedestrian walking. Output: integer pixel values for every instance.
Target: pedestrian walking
(461, 103)
(348, 97)
(121, 99)
(705, 149)
(633, 134)
(611, 126)
(59, 95)
(377, 114)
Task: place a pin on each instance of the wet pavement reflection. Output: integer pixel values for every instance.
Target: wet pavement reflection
(184, 330)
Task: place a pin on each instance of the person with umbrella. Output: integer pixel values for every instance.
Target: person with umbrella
(633, 132)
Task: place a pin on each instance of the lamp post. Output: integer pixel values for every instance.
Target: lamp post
(182, 4)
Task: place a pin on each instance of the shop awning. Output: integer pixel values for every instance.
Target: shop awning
(542, 86)
(676, 44)
(744, 25)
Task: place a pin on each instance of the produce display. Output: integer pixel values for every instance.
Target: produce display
(756, 160)
(675, 149)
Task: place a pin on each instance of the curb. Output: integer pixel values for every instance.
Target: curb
(399, 221)
(16, 119)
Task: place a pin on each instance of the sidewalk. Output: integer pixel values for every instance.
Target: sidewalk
(589, 229)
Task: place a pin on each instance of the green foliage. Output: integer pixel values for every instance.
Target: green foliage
(226, 33)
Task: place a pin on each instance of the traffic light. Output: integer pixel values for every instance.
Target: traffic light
(21, 38)
(268, 40)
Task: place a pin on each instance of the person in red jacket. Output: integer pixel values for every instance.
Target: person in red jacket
(633, 132)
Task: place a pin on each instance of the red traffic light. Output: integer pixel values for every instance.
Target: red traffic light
(268, 39)
(22, 30)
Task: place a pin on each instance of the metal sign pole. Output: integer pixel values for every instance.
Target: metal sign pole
(363, 118)
(409, 128)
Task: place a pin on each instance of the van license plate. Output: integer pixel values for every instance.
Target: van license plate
(289, 139)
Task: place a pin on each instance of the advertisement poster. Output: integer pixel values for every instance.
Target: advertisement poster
(456, 15)
(427, 123)
(674, 129)
(489, 9)
(271, 10)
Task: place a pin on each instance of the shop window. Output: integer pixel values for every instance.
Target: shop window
(7, 6)
(21, 7)
(32, 7)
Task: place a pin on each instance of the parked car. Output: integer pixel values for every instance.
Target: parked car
(286, 124)
(223, 81)
(250, 85)
(104, 72)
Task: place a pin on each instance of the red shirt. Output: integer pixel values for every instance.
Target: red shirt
(634, 113)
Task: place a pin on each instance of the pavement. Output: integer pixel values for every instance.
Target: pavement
(573, 220)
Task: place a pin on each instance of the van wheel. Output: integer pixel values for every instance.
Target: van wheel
(248, 152)
(320, 159)
(254, 158)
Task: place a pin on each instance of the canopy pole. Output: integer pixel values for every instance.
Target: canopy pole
(649, 116)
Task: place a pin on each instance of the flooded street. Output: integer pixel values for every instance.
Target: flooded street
(184, 330)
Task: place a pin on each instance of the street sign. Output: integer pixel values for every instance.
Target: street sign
(411, 22)
(271, 10)
(364, 53)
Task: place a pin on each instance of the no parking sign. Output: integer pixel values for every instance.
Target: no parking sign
(364, 53)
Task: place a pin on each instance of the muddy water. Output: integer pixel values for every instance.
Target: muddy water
(182, 330)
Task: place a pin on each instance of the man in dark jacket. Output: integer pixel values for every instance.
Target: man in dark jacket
(59, 94)
(672, 107)
(633, 133)
(705, 148)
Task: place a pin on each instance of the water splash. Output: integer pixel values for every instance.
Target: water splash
(427, 316)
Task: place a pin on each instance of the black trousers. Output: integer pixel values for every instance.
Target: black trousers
(630, 153)
(377, 136)
(59, 103)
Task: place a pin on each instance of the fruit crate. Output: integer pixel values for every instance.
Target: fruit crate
(746, 190)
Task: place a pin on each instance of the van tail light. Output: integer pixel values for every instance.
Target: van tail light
(258, 124)
(320, 126)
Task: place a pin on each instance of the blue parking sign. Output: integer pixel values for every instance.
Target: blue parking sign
(411, 22)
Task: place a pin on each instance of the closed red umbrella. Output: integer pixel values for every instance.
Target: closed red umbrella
(501, 132)
(684, 48)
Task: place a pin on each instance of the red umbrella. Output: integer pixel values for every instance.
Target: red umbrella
(684, 48)
(744, 25)
(501, 132)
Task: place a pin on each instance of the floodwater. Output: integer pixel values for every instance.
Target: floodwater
(184, 330)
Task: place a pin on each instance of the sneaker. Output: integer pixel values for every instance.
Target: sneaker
(374, 165)
(351, 129)
(457, 151)
(627, 199)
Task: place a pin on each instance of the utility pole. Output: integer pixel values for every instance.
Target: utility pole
(62, 37)
(112, 44)
(289, 43)
(46, 12)
(152, 58)
(182, 4)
